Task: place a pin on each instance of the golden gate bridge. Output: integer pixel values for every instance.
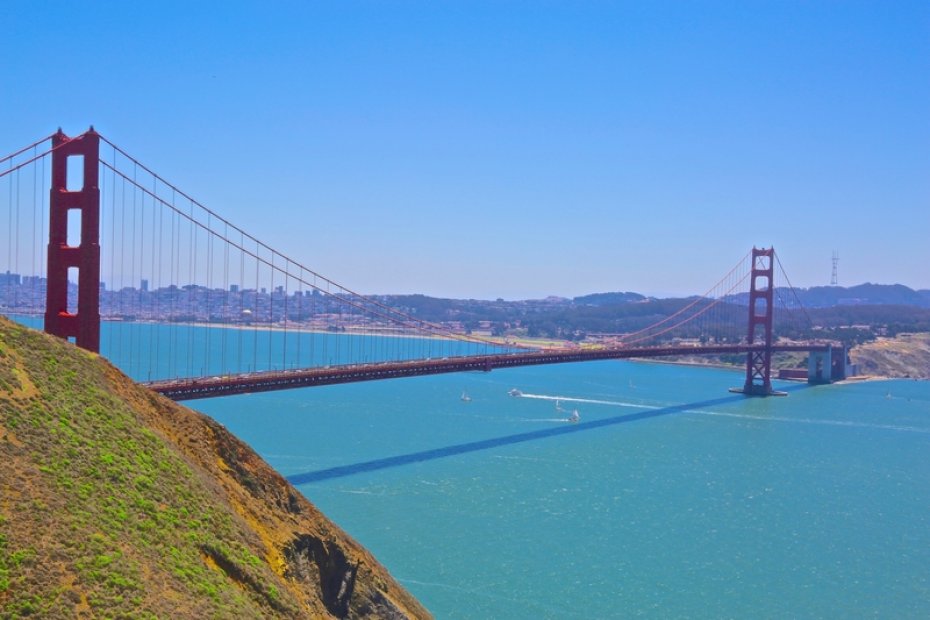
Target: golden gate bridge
(121, 245)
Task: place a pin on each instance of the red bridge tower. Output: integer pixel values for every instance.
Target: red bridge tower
(761, 288)
(84, 325)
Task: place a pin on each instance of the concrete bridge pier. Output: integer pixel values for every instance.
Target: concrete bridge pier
(828, 366)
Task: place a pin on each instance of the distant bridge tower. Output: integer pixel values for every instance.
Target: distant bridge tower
(761, 288)
(84, 325)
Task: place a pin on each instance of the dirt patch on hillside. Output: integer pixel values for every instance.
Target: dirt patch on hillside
(905, 356)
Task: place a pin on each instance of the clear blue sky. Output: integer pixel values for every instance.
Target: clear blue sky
(511, 149)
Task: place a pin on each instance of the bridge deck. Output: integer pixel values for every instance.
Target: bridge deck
(189, 389)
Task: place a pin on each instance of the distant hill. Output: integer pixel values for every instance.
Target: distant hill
(871, 294)
(886, 309)
(860, 295)
(608, 299)
(119, 503)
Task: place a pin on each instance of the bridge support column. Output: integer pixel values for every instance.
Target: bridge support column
(759, 361)
(819, 364)
(840, 364)
(827, 366)
(84, 325)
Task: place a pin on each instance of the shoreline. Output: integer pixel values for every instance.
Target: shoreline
(718, 365)
(738, 369)
(478, 340)
(348, 331)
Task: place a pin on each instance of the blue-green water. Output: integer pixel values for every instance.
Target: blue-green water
(670, 497)
(153, 351)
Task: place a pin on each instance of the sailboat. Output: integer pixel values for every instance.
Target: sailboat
(574, 417)
(465, 397)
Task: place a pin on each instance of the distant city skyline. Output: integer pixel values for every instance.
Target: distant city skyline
(11, 284)
(517, 150)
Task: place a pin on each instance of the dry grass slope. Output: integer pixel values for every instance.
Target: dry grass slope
(115, 502)
(907, 355)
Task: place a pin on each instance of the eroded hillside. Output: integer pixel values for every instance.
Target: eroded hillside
(906, 355)
(116, 502)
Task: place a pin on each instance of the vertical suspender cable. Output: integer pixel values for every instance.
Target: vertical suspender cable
(286, 290)
(315, 335)
(122, 262)
(238, 307)
(148, 294)
(300, 318)
(145, 327)
(255, 316)
(173, 351)
(326, 311)
(35, 240)
(16, 251)
(271, 312)
(44, 192)
(225, 295)
(207, 307)
(190, 296)
(157, 265)
(112, 251)
(9, 232)
(133, 364)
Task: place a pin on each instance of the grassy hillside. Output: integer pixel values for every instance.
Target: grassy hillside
(115, 502)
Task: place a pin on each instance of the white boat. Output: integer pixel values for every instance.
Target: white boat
(466, 398)
(558, 406)
(574, 417)
(515, 392)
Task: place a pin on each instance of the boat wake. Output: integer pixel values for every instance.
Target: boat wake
(589, 401)
(726, 414)
(549, 420)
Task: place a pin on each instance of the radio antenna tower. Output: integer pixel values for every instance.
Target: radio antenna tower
(836, 259)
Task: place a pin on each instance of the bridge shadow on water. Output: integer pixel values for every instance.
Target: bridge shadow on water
(487, 444)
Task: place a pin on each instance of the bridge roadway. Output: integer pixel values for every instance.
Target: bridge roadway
(228, 385)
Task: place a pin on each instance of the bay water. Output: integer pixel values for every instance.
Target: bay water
(669, 498)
